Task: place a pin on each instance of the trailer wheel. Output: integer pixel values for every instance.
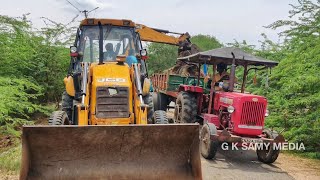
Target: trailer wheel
(67, 104)
(268, 155)
(185, 110)
(59, 118)
(208, 147)
(160, 117)
(149, 101)
(160, 101)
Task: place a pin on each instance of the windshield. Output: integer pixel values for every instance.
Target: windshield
(116, 41)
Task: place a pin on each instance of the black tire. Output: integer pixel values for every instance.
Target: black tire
(67, 104)
(160, 117)
(160, 101)
(59, 118)
(185, 110)
(269, 155)
(208, 147)
(149, 101)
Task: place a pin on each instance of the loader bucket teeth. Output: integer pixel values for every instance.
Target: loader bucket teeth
(111, 152)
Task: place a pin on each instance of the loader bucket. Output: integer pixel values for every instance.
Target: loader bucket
(111, 152)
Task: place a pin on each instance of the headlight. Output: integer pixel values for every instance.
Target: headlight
(73, 49)
(230, 109)
(267, 113)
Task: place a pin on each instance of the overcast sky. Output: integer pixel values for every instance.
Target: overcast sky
(225, 19)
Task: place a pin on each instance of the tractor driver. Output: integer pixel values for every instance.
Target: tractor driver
(109, 55)
(222, 77)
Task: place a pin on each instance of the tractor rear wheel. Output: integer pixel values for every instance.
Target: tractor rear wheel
(160, 117)
(185, 110)
(208, 147)
(67, 104)
(59, 118)
(149, 101)
(268, 155)
(160, 101)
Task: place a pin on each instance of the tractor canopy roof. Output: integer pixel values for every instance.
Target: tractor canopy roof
(224, 55)
(114, 22)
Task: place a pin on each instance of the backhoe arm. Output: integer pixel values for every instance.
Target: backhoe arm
(160, 36)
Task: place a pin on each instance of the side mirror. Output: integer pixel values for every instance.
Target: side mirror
(73, 51)
(143, 54)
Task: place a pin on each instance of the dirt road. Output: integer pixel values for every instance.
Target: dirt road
(245, 165)
(240, 165)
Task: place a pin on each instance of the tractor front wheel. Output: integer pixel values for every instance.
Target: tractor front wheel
(208, 147)
(268, 155)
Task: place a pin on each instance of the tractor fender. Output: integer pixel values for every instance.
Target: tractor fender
(212, 128)
(190, 88)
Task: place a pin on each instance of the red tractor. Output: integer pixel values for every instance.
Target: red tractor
(226, 114)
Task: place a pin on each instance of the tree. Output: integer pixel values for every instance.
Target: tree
(294, 96)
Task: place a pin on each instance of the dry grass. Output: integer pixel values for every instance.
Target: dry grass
(10, 159)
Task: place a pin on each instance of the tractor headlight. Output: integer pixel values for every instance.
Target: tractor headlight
(230, 109)
(267, 113)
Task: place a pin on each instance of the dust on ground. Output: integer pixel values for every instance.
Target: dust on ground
(245, 165)
(298, 167)
(8, 175)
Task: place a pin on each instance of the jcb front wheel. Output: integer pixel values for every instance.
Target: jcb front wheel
(149, 101)
(67, 104)
(160, 117)
(59, 118)
(160, 101)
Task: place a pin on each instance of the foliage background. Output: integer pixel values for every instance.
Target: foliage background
(33, 63)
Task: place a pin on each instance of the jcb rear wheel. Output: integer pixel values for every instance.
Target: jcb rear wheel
(160, 117)
(59, 118)
(185, 110)
(208, 147)
(268, 155)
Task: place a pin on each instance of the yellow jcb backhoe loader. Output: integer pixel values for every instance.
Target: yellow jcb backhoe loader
(106, 128)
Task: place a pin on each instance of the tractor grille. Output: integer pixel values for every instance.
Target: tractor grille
(253, 114)
(112, 102)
